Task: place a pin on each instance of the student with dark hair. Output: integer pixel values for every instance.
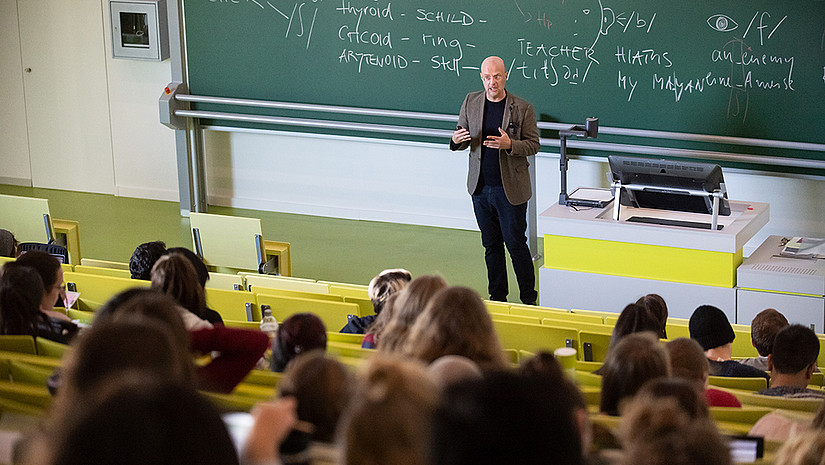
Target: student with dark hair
(381, 287)
(144, 258)
(792, 362)
(545, 366)
(688, 362)
(142, 420)
(298, 334)
(634, 360)
(21, 291)
(656, 305)
(323, 388)
(8, 244)
(764, 327)
(203, 275)
(175, 276)
(51, 273)
(709, 327)
(506, 418)
(635, 318)
(234, 352)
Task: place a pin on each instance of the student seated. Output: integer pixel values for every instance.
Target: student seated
(455, 322)
(792, 362)
(8, 244)
(687, 361)
(174, 275)
(144, 258)
(298, 334)
(710, 328)
(390, 416)
(323, 388)
(764, 327)
(658, 430)
(387, 283)
(203, 275)
(407, 306)
(636, 359)
(51, 273)
(507, 418)
(656, 305)
(21, 296)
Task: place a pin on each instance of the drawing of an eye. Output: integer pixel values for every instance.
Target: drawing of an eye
(722, 23)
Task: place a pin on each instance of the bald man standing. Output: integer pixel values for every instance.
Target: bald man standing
(500, 130)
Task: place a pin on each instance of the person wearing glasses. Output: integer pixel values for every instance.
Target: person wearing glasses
(501, 132)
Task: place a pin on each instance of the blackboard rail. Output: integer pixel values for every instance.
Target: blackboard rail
(611, 147)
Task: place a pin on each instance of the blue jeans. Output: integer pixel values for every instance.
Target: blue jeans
(502, 223)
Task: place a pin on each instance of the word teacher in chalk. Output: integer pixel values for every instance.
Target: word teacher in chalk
(501, 131)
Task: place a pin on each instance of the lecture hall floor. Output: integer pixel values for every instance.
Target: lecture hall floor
(322, 248)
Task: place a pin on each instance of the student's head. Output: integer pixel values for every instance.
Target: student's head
(506, 418)
(451, 369)
(662, 432)
(21, 291)
(795, 349)
(390, 416)
(807, 448)
(142, 420)
(545, 366)
(764, 327)
(655, 304)
(173, 274)
(8, 244)
(385, 284)
(323, 387)
(200, 267)
(709, 326)
(407, 307)
(132, 342)
(455, 322)
(634, 360)
(687, 360)
(149, 303)
(298, 334)
(51, 273)
(685, 392)
(144, 258)
(633, 319)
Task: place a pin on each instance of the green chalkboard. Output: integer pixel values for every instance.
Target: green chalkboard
(742, 68)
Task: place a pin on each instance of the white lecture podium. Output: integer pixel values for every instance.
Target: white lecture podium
(593, 262)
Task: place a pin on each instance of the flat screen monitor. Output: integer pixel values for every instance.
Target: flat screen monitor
(664, 180)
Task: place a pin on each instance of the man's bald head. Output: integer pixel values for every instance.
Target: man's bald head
(494, 76)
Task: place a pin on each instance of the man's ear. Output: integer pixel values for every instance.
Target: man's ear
(810, 371)
(770, 362)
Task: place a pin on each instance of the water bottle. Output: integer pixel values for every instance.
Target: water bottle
(269, 324)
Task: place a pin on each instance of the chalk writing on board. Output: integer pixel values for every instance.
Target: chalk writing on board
(572, 43)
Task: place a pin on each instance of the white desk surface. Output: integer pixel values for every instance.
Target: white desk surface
(746, 219)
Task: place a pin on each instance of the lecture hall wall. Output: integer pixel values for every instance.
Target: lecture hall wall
(81, 120)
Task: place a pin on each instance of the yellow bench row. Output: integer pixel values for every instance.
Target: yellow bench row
(240, 305)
